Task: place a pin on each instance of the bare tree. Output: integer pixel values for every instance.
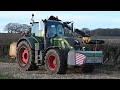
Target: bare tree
(86, 31)
(16, 28)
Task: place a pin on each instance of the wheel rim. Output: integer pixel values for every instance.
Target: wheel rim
(23, 59)
(52, 62)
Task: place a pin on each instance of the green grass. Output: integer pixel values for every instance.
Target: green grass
(7, 59)
(6, 76)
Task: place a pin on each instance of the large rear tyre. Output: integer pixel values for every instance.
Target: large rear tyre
(56, 61)
(25, 57)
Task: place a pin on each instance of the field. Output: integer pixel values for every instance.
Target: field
(111, 40)
(11, 71)
(110, 69)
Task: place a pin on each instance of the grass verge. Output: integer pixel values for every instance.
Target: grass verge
(7, 59)
(6, 76)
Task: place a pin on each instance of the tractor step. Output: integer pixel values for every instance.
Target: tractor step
(38, 57)
(38, 54)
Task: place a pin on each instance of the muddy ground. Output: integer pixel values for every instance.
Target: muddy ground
(100, 72)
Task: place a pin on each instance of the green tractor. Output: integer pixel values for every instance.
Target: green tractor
(48, 45)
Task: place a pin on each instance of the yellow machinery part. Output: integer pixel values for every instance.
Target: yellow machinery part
(12, 50)
(86, 39)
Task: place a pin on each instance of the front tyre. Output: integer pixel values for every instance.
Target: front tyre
(55, 61)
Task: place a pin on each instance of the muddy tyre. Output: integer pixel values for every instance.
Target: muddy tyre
(25, 57)
(56, 61)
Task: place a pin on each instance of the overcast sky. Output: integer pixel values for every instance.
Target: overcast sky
(82, 19)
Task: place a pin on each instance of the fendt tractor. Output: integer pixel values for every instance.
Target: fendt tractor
(50, 45)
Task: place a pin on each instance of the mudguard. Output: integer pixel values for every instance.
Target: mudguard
(30, 40)
(52, 47)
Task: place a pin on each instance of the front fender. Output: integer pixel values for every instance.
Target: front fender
(52, 47)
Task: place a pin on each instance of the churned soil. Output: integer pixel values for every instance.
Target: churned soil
(101, 72)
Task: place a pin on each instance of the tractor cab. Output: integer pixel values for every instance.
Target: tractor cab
(50, 28)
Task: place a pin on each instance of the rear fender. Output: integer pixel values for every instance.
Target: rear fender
(30, 41)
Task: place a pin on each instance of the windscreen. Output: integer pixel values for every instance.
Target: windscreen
(55, 28)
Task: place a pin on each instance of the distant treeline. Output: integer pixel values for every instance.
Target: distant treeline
(105, 32)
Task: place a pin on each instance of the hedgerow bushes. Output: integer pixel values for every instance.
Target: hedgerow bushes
(5, 40)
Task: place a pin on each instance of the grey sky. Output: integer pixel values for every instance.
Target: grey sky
(82, 19)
